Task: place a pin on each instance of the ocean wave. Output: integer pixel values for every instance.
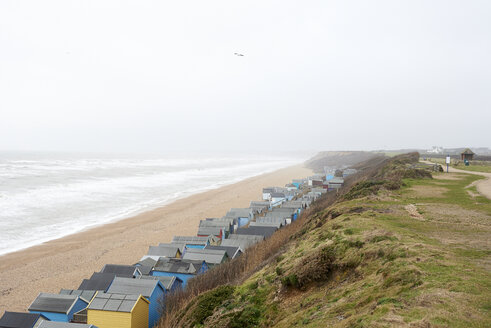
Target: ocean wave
(50, 199)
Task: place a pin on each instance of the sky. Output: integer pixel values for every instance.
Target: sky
(161, 76)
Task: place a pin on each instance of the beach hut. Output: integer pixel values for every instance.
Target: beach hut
(152, 290)
(164, 251)
(170, 283)
(54, 324)
(57, 307)
(194, 241)
(21, 320)
(242, 241)
(127, 271)
(146, 264)
(117, 310)
(86, 295)
(277, 198)
(319, 191)
(210, 256)
(232, 251)
(260, 206)
(257, 231)
(226, 224)
(285, 212)
(276, 225)
(282, 220)
(297, 183)
(267, 192)
(335, 183)
(243, 215)
(211, 231)
(180, 246)
(183, 269)
(98, 281)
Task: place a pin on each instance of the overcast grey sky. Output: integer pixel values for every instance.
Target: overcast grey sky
(162, 75)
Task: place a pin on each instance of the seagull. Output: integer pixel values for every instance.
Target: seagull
(237, 54)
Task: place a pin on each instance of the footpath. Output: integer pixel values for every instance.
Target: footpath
(482, 186)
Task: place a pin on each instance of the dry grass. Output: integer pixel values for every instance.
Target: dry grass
(426, 191)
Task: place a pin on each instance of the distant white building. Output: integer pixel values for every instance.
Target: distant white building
(436, 150)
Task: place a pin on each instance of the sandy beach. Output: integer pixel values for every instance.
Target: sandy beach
(63, 263)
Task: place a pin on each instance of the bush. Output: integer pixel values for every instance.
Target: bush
(209, 301)
(290, 281)
(249, 317)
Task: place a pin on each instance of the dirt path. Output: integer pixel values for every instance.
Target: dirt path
(483, 186)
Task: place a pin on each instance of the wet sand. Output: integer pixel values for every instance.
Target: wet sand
(64, 262)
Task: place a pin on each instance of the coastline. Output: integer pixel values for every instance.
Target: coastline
(64, 262)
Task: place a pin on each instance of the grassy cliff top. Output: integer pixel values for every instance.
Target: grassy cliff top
(397, 249)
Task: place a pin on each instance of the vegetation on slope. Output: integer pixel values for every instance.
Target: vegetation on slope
(339, 158)
(415, 255)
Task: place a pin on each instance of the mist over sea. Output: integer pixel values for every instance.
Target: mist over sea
(44, 196)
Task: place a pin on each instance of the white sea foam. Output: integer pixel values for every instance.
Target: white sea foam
(51, 196)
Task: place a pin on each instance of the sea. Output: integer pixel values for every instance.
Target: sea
(45, 196)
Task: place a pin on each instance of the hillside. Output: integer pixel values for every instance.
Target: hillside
(396, 247)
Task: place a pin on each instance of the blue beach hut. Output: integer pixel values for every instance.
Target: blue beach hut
(182, 269)
(57, 307)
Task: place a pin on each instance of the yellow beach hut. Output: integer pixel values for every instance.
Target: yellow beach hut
(118, 311)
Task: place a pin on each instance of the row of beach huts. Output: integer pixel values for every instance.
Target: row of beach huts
(131, 296)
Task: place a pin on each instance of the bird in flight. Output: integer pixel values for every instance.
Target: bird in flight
(237, 54)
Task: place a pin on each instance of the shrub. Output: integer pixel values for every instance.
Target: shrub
(290, 281)
(248, 317)
(209, 301)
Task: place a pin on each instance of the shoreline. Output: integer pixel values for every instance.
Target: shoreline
(64, 262)
(135, 213)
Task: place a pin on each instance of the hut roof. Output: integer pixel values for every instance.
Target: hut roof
(130, 286)
(232, 251)
(225, 225)
(98, 281)
(166, 281)
(256, 230)
(19, 319)
(86, 295)
(239, 212)
(166, 251)
(120, 270)
(271, 219)
(242, 241)
(246, 237)
(191, 240)
(467, 151)
(181, 246)
(276, 225)
(165, 264)
(56, 303)
(114, 302)
(147, 261)
(209, 231)
(213, 256)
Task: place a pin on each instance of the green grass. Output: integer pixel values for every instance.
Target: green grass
(456, 193)
(378, 267)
